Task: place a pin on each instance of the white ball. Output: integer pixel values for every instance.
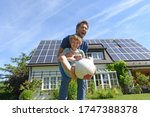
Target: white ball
(85, 68)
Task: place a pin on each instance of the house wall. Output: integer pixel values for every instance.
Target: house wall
(101, 66)
(45, 68)
(42, 69)
(51, 74)
(55, 68)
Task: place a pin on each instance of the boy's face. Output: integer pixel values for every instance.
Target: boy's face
(74, 44)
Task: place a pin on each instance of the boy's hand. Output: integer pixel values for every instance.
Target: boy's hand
(78, 57)
(69, 54)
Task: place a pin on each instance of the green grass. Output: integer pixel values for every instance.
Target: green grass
(4, 95)
(145, 96)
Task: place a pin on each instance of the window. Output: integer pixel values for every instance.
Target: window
(98, 79)
(113, 79)
(50, 79)
(96, 55)
(107, 79)
(51, 83)
(58, 81)
(46, 83)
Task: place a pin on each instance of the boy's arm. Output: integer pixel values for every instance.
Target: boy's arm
(70, 56)
(66, 52)
(80, 55)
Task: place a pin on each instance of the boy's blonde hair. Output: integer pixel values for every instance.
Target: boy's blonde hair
(75, 37)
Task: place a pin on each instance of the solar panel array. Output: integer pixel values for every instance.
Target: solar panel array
(124, 49)
(46, 52)
(118, 49)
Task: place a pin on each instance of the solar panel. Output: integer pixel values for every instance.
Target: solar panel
(135, 57)
(126, 49)
(129, 57)
(118, 49)
(46, 52)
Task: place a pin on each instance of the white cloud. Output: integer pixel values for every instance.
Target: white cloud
(103, 26)
(139, 12)
(114, 10)
(97, 34)
(25, 26)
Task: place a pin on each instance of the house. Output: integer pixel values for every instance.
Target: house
(43, 64)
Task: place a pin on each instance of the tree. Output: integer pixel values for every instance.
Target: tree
(18, 73)
(125, 80)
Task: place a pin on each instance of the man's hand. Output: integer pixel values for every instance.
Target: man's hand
(73, 72)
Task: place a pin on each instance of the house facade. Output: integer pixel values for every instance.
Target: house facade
(44, 66)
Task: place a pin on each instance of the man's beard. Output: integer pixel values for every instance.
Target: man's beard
(81, 35)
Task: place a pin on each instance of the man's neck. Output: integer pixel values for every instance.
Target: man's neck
(79, 35)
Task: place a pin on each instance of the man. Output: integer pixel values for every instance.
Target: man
(81, 30)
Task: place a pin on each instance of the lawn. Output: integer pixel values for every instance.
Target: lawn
(145, 96)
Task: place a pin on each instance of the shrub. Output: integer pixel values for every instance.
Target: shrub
(72, 90)
(92, 87)
(141, 79)
(55, 94)
(105, 93)
(148, 85)
(117, 91)
(92, 96)
(125, 80)
(28, 85)
(137, 89)
(26, 95)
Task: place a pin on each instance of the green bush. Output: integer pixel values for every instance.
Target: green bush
(28, 85)
(141, 79)
(125, 80)
(92, 95)
(26, 95)
(92, 87)
(148, 85)
(117, 91)
(55, 94)
(105, 93)
(137, 89)
(72, 90)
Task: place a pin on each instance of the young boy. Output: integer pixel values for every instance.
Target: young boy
(70, 55)
(81, 30)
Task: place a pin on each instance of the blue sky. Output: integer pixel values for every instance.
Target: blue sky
(24, 23)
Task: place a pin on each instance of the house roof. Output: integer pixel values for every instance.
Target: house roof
(117, 49)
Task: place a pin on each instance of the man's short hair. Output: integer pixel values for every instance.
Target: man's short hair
(82, 22)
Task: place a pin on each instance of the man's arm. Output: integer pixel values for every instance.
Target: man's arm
(58, 54)
(63, 45)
